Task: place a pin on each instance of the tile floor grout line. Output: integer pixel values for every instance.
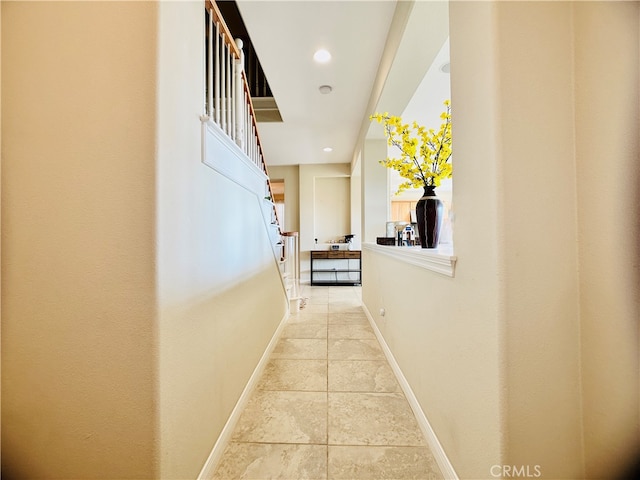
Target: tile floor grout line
(279, 443)
(326, 473)
(297, 391)
(375, 445)
(322, 444)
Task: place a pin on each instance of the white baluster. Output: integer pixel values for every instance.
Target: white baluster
(228, 76)
(256, 158)
(244, 122)
(239, 96)
(249, 147)
(248, 128)
(210, 68)
(217, 73)
(251, 150)
(255, 144)
(232, 95)
(225, 57)
(234, 101)
(250, 142)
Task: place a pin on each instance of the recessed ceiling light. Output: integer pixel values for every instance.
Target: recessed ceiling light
(328, 149)
(325, 89)
(446, 68)
(322, 56)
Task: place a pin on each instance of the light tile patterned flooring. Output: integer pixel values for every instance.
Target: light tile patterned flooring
(328, 405)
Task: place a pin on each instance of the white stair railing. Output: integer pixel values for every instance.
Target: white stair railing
(228, 100)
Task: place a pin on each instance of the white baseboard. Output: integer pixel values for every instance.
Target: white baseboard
(210, 465)
(432, 440)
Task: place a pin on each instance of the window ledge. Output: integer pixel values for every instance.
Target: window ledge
(440, 260)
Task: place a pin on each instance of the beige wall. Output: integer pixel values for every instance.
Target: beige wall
(0, 223)
(135, 307)
(78, 156)
(291, 176)
(331, 210)
(445, 333)
(374, 190)
(308, 174)
(447, 350)
(529, 356)
(608, 176)
(356, 206)
(220, 296)
(302, 203)
(539, 256)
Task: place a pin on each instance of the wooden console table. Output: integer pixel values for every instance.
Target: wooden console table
(336, 267)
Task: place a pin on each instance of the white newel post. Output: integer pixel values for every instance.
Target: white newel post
(239, 96)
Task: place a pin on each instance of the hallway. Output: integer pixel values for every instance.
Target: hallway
(328, 405)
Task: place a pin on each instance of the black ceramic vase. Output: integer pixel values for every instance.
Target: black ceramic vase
(429, 210)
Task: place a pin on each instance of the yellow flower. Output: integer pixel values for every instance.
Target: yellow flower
(425, 155)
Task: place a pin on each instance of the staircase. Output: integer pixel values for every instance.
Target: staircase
(230, 113)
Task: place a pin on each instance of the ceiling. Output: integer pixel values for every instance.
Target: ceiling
(381, 50)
